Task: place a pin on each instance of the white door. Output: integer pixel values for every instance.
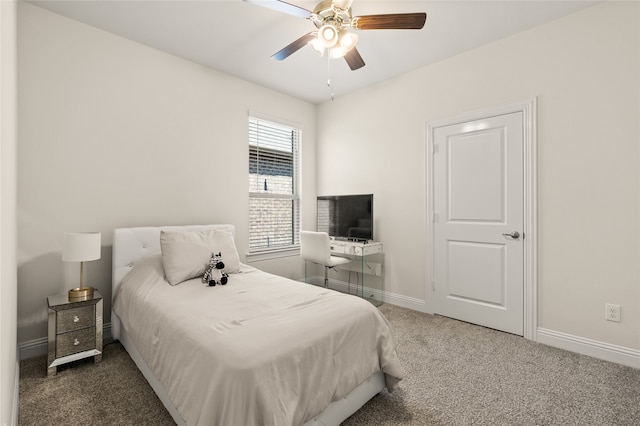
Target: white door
(478, 214)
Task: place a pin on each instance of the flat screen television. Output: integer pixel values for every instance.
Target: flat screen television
(346, 217)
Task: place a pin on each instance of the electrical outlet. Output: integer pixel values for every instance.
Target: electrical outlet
(612, 312)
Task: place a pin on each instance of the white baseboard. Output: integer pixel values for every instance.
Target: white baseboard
(606, 351)
(32, 348)
(37, 347)
(372, 293)
(405, 302)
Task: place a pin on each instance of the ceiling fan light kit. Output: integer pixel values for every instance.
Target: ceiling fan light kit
(328, 35)
(346, 42)
(338, 46)
(332, 18)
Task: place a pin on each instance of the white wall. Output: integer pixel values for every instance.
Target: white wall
(8, 286)
(585, 71)
(116, 134)
(113, 133)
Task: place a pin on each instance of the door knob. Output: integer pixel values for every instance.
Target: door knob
(515, 235)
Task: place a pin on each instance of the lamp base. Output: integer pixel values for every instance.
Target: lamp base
(80, 293)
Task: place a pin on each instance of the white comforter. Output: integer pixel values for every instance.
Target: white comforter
(262, 350)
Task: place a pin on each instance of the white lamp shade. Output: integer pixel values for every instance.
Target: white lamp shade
(328, 35)
(347, 40)
(317, 46)
(80, 246)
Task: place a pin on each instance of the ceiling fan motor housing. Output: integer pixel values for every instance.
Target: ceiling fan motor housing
(324, 13)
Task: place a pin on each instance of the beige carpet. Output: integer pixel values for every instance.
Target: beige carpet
(456, 374)
(112, 392)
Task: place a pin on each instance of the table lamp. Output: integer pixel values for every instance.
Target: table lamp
(81, 247)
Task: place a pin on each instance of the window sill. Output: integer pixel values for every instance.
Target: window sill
(272, 254)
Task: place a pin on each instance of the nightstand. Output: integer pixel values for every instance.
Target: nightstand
(75, 330)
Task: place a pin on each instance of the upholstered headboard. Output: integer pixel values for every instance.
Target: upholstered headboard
(133, 244)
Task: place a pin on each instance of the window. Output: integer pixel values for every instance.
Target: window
(274, 205)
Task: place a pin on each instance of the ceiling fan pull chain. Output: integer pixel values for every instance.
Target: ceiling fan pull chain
(329, 82)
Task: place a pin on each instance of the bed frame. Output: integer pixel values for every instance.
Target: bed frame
(133, 244)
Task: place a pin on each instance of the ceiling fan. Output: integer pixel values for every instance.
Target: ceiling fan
(332, 19)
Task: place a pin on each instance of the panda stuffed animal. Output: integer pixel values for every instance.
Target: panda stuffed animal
(214, 275)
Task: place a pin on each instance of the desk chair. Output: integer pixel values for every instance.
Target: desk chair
(315, 247)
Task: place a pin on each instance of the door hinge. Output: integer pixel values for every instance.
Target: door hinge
(434, 148)
(433, 285)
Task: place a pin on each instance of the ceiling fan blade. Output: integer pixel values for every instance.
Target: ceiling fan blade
(354, 60)
(294, 47)
(283, 7)
(394, 21)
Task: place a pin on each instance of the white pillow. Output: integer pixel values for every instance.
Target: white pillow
(186, 255)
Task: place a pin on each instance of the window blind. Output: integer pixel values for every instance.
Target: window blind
(274, 206)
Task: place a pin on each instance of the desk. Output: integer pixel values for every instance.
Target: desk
(367, 261)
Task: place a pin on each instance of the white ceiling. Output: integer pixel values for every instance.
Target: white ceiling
(238, 38)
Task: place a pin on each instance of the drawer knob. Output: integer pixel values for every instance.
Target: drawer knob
(76, 342)
(76, 319)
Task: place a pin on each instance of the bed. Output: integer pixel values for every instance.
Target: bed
(262, 350)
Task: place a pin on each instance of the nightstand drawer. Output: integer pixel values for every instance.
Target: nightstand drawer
(75, 341)
(76, 318)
